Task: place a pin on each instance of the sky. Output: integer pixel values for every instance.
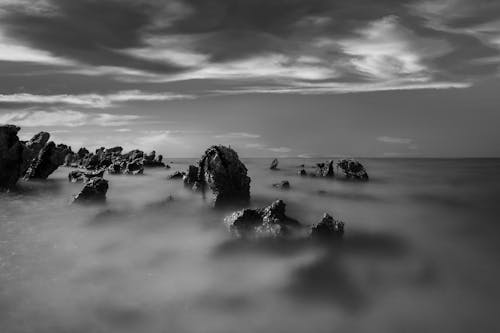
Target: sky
(296, 78)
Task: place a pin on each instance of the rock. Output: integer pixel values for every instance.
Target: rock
(69, 159)
(191, 177)
(93, 191)
(352, 169)
(47, 161)
(284, 185)
(328, 227)
(176, 175)
(11, 156)
(325, 169)
(82, 152)
(167, 166)
(302, 172)
(274, 164)
(221, 170)
(115, 168)
(270, 221)
(32, 149)
(135, 167)
(76, 176)
(134, 155)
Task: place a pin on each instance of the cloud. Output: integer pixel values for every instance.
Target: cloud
(66, 118)
(237, 135)
(394, 140)
(91, 100)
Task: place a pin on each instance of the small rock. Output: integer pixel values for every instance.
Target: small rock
(93, 191)
(302, 172)
(176, 175)
(328, 227)
(284, 185)
(274, 164)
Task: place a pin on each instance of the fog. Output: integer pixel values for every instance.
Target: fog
(420, 253)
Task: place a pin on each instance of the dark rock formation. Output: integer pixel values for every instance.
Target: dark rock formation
(191, 177)
(47, 161)
(328, 227)
(11, 156)
(176, 175)
(93, 191)
(302, 172)
(76, 176)
(352, 169)
(222, 172)
(82, 152)
(32, 149)
(284, 185)
(270, 221)
(152, 161)
(274, 164)
(325, 169)
(134, 167)
(115, 168)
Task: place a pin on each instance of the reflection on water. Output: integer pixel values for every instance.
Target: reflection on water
(420, 254)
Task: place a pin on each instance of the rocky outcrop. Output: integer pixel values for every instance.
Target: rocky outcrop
(177, 175)
(93, 191)
(47, 161)
(325, 169)
(328, 228)
(270, 221)
(32, 149)
(11, 156)
(76, 176)
(223, 174)
(191, 177)
(134, 167)
(274, 164)
(283, 185)
(352, 169)
(153, 161)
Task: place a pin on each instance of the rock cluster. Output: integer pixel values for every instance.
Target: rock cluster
(221, 173)
(11, 156)
(48, 160)
(352, 169)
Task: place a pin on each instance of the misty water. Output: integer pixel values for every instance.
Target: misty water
(420, 254)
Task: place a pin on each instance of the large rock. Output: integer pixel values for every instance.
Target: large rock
(191, 177)
(47, 161)
(134, 167)
(325, 169)
(11, 156)
(93, 191)
(328, 227)
(352, 169)
(222, 172)
(32, 149)
(270, 221)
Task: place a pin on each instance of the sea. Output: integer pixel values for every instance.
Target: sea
(420, 253)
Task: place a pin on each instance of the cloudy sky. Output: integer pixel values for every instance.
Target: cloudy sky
(403, 78)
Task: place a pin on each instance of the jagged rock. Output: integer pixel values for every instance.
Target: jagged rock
(32, 149)
(115, 168)
(284, 185)
(93, 191)
(91, 162)
(221, 170)
(115, 150)
(47, 161)
(325, 169)
(134, 155)
(270, 221)
(135, 167)
(302, 172)
(176, 175)
(82, 152)
(328, 227)
(11, 156)
(352, 169)
(274, 164)
(191, 177)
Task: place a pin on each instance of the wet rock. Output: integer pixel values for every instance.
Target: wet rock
(270, 221)
(302, 172)
(76, 176)
(328, 227)
(135, 167)
(11, 156)
(81, 153)
(274, 164)
(191, 177)
(134, 155)
(352, 169)
(152, 161)
(283, 185)
(176, 175)
(93, 191)
(32, 149)
(222, 172)
(325, 169)
(47, 161)
(115, 168)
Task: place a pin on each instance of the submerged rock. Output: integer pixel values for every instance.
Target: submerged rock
(11, 156)
(93, 191)
(284, 185)
(221, 170)
(302, 172)
(352, 169)
(274, 164)
(328, 227)
(47, 161)
(176, 175)
(270, 221)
